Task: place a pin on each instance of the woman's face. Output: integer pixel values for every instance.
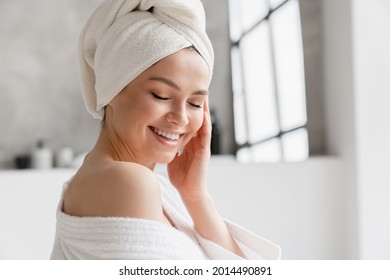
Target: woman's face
(160, 111)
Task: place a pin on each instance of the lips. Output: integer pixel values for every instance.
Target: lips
(171, 136)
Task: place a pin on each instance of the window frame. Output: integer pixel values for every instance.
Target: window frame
(235, 46)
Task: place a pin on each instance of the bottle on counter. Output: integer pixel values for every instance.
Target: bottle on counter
(41, 156)
(64, 158)
(22, 161)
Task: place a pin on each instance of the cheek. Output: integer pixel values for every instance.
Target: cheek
(150, 108)
(197, 121)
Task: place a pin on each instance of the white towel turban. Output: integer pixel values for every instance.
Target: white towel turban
(123, 38)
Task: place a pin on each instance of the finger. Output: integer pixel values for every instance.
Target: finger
(205, 130)
(206, 106)
(208, 116)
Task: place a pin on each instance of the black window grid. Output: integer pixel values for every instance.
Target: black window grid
(280, 132)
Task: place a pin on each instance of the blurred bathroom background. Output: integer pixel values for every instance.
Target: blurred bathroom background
(300, 98)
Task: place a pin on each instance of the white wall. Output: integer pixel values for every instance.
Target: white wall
(299, 206)
(339, 107)
(28, 200)
(371, 54)
(296, 205)
(357, 68)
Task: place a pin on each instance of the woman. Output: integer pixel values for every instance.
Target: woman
(145, 71)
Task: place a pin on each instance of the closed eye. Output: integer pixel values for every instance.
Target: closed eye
(158, 97)
(195, 105)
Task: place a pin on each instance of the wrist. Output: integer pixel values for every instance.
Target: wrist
(195, 197)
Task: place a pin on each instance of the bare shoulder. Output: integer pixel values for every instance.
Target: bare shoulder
(121, 189)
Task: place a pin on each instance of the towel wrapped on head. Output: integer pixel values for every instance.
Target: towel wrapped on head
(123, 38)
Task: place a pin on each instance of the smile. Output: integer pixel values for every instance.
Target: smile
(169, 136)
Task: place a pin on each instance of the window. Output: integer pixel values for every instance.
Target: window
(268, 80)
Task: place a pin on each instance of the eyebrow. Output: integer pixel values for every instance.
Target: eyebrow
(175, 86)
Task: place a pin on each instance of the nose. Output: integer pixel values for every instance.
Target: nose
(178, 116)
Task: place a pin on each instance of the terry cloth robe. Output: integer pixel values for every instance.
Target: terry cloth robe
(141, 239)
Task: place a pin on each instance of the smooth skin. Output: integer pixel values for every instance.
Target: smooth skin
(117, 177)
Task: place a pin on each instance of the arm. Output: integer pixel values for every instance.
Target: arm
(188, 173)
(209, 223)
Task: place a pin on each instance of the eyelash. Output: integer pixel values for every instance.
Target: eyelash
(195, 105)
(167, 98)
(158, 97)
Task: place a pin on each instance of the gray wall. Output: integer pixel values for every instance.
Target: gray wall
(221, 98)
(39, 85)
(311, 18)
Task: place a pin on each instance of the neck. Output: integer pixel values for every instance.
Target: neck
(111, 146)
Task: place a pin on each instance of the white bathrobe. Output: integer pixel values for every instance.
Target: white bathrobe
(140, 239)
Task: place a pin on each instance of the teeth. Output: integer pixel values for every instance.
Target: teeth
(166, 134)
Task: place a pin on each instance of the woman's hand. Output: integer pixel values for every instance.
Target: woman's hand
(188, 172)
